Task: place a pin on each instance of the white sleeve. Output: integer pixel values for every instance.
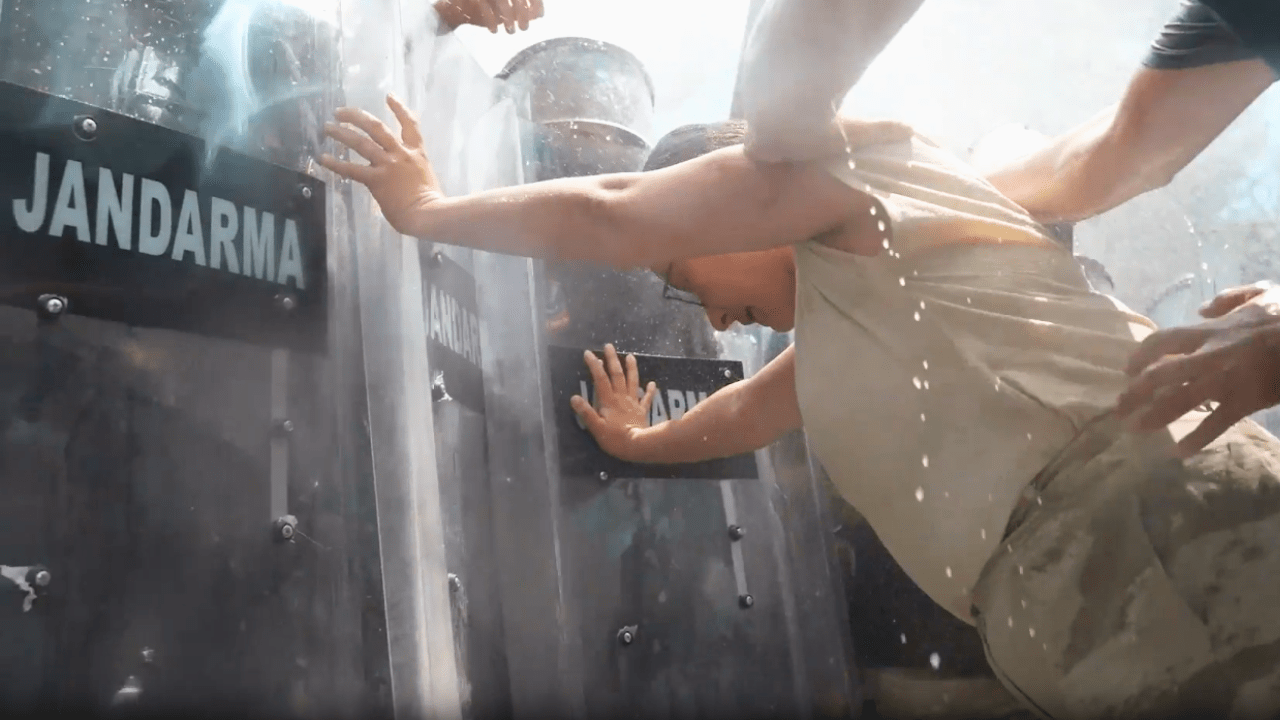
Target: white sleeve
(800, 59)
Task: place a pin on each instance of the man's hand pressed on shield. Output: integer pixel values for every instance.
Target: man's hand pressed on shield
(1233, 359)
(621, 413)
(399, 175)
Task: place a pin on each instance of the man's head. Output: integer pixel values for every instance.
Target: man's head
(749, 287)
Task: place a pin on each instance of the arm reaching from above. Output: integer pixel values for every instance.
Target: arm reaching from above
(1166, 119)
(721, 202)
(800, 59)
(740, 418)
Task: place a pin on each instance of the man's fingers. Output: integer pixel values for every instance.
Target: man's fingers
(366, 148)
(410, 133)
(598, 374)
(350, 171)
(633, 376)
(505, 11)
(616, 376)
(586, 414)
(1173, 402)
(1173, 341)
(646, 402)
(1218, 422)
(1164, 375)
(374, 127)
(1232, 298)
(536, 10)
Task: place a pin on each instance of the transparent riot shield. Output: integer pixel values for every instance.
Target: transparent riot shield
(209, 352)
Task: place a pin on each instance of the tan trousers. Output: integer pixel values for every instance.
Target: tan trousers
(1137, 585)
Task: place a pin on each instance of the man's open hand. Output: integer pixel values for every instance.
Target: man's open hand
(1233, 359)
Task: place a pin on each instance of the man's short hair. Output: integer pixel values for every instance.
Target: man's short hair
(690, 141)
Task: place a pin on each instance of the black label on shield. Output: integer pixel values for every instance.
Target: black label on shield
(453, 330)
(139, 224)
(682, 384)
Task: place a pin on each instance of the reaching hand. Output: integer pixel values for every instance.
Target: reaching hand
(1232, 358)
(398, 175)
(622, 411)
(490, 13)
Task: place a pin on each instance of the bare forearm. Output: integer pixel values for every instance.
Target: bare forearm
(565, 219)
(740, 418)
(1078, 175)
(718, 203)
(720, 426)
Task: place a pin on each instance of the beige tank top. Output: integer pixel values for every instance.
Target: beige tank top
(937, 378)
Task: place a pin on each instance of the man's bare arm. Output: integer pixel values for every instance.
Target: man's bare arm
(1166, 119)
(740, 418)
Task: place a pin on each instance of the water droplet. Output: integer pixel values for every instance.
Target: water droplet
(948, 572)
(935, 661)
(885, 243)
(1046, 647)
(852, 166)
(968, 301)
(921, 304)
(1028, 436)
(1019, 569)
(922, 417)
(984, 533)
(924, 460)
(1010, 621)
(1041, 299)
(926, 384)
(902, 281)
(1204, 266)
(1024, 604)
(917, 317)
(904, 639)
(916, 381)
(1032, 631)
(880, 225)
(1039, 501)
(873, 209)
(919, 494)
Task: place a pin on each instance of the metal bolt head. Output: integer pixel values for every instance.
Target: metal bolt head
(285, 528)
(306, 192)
(87, 128)
(286, 302)
(728, 373)
(737, 532)
(604, 476)
(43, 578)
(437, 259)
(627, 635)
(455, 582)
(746, 602)
(286, 426)
(53, 305)
(148, 656)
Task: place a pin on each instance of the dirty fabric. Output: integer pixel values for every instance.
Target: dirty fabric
(1137, 585)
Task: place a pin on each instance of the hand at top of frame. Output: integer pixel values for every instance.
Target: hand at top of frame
(1233, 358)
(399, 175)
(490, 14)
(622, 411)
